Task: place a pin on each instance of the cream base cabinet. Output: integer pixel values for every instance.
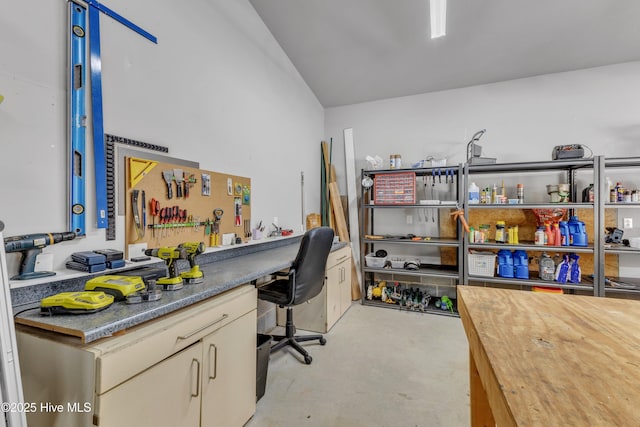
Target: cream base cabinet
(228, 371)
(194, 367)
(320, 313)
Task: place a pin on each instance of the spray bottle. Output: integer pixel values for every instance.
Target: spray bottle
(549, 234)
(557, 238)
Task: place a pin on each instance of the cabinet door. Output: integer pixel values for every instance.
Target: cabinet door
(345, 286)
(334, 276)
(168, 394)
(229, 374)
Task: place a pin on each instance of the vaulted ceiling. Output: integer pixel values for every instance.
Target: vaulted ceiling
(352, 51)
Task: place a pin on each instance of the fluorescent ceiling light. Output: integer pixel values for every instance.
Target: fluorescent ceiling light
(438, 14)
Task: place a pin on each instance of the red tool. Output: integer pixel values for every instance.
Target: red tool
(154, 210)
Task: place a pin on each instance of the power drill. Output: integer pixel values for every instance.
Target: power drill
(169, 254)
(194, 275)
(30, 245)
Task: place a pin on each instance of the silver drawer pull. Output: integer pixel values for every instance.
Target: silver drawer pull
(184, 337)
(213, 363)
(197, 362)
(341, 258)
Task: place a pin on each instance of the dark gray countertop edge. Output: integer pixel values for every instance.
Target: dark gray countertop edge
(25, 296)
(221, 275)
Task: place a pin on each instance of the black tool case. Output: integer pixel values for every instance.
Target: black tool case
(111, 254)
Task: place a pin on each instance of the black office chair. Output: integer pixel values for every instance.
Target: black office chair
(304, 281)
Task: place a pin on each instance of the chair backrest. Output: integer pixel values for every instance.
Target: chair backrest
(311, 262)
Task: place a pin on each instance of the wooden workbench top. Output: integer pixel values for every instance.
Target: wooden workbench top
(548, 359)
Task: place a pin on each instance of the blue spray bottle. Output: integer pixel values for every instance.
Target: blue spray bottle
(575, 272)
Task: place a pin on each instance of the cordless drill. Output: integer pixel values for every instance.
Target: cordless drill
(170, 255)
(30, 245)
(194, 275)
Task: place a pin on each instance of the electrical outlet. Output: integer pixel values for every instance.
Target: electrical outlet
(136, 249)
(409, 219)
(627, 223)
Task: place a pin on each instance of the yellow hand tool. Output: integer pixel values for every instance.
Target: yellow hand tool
(215, 233)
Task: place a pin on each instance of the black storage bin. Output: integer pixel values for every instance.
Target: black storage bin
(262, 364)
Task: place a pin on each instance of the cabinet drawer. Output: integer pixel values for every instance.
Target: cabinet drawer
(338, 256)
(166, 396)
(123, 357)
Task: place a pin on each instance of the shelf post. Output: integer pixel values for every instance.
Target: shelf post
(599, 199)
(463, 196)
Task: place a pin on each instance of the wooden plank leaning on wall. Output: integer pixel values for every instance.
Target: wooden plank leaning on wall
(338, 220)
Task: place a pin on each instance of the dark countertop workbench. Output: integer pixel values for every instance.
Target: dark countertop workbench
(219, 276)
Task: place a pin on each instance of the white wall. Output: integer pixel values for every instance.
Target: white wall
(524, 119)
(216, 89)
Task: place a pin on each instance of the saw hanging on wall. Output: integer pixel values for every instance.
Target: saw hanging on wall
(77, 109)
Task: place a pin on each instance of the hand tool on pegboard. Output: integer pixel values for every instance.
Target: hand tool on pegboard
(189, 180)
(161, 220)
(215, 230)
(206, 184)
(237, 207)
(178, 177)
(138, 218)
(138, 169)
(154, 210)
(167, 175)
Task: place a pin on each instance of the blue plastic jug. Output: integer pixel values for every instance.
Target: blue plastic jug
(505, 263)
(565, 236)
(521, 264)
(577, 232)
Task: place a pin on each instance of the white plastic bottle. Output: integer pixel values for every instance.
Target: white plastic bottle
(474, 193)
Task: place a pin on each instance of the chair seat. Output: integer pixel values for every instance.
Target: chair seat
(278, 292)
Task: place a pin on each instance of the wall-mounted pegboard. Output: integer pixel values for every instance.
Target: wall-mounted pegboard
(188, 215)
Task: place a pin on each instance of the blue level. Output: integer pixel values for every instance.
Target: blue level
(100, 166)
(78, 116)
(97, 118)
(95, 8)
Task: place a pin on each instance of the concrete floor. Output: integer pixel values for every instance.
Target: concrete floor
(380, 367)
